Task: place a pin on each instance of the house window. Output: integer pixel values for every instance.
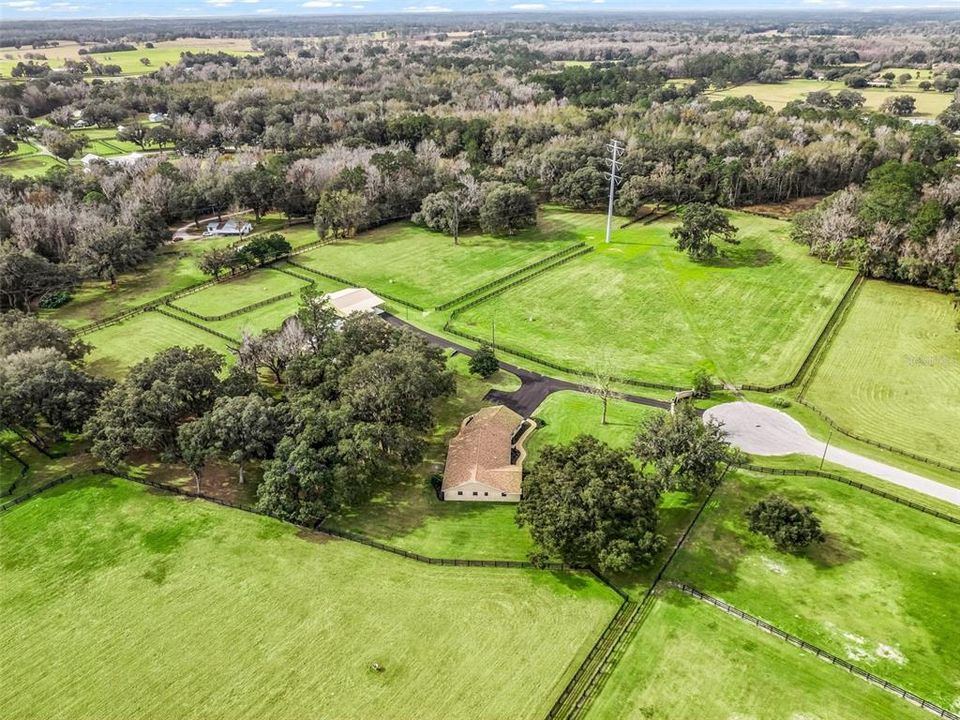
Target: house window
(503, 494)
(474, 492)
(485, 494)
(459, 492)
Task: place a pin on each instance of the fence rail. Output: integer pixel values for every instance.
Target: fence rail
(883, 446)
(234, 313)
(819, 652)
(36, 491)
(818, 345)
(345, 281)
(516, 273)
(24, 468)
(233, 342)
(853, 483)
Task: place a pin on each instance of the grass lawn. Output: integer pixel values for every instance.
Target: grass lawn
(880, 591)
(564, 415)
(117, 348)
(892, 371)
(29, 165)
(929, 103)
(164, 53)
(41, 469)
(750, 316)
(409, 515)
(426, 268)
(240, 292)
(161, 607)
(690, 660)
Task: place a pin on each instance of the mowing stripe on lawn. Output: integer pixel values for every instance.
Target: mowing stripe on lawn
(822, 654)
(788, 472)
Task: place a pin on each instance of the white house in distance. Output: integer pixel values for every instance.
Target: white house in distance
(228, 228)
(353, 300)
(484, 462)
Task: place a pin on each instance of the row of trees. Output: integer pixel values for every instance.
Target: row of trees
(353, 406)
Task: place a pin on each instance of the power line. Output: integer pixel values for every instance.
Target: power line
(616, 150)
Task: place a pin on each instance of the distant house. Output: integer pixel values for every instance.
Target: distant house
(879, 83)
(157, 117)
(128, 159)
(353, 300)
(485, 459)
(228, 228)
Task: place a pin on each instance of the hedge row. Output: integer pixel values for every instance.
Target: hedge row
(493, 283)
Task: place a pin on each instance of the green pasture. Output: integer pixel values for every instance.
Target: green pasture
(567, 414)
(875, 592)
(240, 292)
(892, 371)
(164, 607)
(690, 660)
(408, 514)
(644, 310)
(28, 165)
(172, 269)
(164, 53)
(118, 347)
(426, 268)
(930, 103)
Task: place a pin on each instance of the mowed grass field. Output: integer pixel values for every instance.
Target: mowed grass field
(892, 371)
(240, 292)
(689, 660)
(878, 592)
(28, 165)
(649, 312)
(117, 348)
(426, 268)
(161, 607)
(164, 53)
(565, 415)
(930, 103)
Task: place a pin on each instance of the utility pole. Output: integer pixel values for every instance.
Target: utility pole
(616, 150)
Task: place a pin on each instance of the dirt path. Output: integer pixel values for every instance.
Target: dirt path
(760, 430)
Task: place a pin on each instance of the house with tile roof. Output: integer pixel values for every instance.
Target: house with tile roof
(485, 459)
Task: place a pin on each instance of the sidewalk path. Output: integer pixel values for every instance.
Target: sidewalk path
(760, 430)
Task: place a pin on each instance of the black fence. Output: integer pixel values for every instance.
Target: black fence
(234, 313)
(493, 283)
(351, 283)
(820, 653)
(883, 446)
(499, 289)
(233, 342)
(825, 332)
(4, 450)
(36, 491)
(852, 483)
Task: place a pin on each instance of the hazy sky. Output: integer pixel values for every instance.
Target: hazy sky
(45, 9)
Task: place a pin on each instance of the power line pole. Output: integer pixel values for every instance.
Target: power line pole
(616, 150)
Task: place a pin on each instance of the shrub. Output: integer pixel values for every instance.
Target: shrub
(55, 300)
(484, 361)
(791, 527)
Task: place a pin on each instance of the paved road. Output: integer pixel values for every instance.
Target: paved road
(534, 387)
(760, 430)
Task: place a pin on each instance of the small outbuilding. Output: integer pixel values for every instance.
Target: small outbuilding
(353, 300)
(228, 228)
(485, 459)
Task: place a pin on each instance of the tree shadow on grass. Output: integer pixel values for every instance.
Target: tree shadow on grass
(737, 256)
(833, 552)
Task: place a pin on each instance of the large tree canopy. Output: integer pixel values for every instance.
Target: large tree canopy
(588, 504)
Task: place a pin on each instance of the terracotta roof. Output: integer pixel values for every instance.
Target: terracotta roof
(481, 451)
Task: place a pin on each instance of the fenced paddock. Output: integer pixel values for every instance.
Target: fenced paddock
(327, 609)
(240, 293)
